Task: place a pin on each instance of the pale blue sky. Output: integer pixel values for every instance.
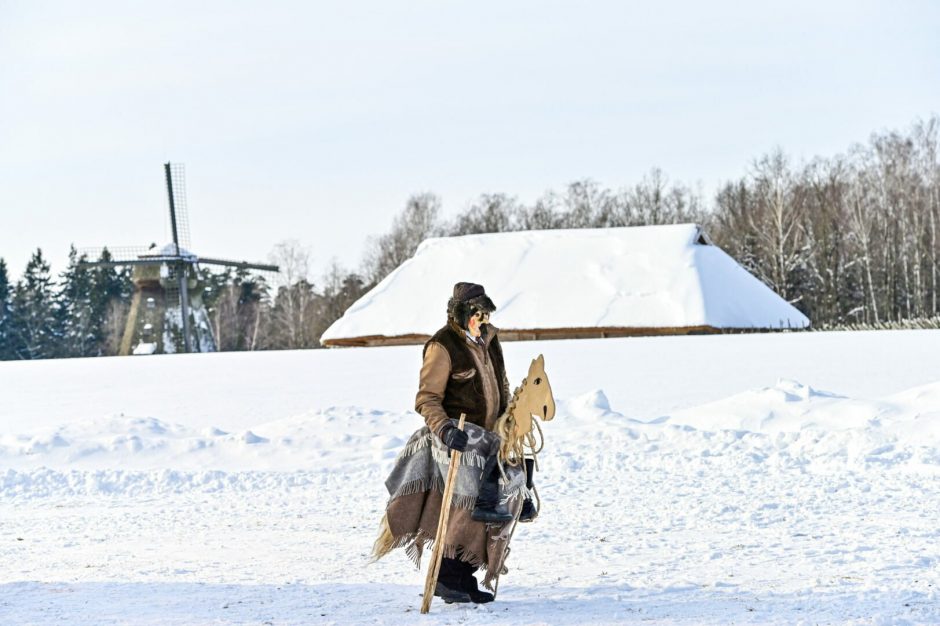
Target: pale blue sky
(315, 121)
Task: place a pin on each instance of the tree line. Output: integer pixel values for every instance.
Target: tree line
(78, 315)
(850, 240)
(83, 312)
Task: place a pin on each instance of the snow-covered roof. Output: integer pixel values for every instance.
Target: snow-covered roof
(646, 277)
(169, 250)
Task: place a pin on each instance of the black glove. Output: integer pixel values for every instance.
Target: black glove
(454, 438)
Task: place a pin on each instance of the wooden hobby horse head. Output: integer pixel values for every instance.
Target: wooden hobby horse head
(516, 427)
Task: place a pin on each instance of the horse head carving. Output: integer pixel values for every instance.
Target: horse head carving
(516, 427)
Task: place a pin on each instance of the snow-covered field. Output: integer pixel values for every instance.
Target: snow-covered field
(786, 478)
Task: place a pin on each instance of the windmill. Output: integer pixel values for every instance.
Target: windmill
(167, 313)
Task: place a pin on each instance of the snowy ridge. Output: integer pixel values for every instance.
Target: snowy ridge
(322, 438)
(786, 426)
(779, 443)
(48, 483)
(754, 479)
(910, 416)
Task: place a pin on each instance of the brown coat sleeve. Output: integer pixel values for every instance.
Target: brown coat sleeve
(434, 374)
(507, 390)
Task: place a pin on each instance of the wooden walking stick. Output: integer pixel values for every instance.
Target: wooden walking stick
(434, 567)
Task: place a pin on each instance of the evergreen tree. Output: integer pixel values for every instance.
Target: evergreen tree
(34, 330)
(6, 351)
(81, 328)
(252, 294)
(111, 282)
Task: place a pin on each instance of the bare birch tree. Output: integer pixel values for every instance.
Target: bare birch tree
(419, 220)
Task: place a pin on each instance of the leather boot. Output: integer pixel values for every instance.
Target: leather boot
(449, 596)
(529, 512)
(450, 582)
(472, 588)
(488, 508)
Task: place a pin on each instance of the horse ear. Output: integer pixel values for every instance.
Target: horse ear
(541, 360)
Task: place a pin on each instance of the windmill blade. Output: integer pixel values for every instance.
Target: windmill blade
(240, 264)
(154, 261)
(120, 255)
(176, 195)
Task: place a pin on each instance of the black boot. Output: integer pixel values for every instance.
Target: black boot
(450, 596)
(472, 589)
(529, 512)
(488, 508)
(450, 580)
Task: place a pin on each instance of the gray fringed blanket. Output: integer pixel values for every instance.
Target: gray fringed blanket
(416, 487)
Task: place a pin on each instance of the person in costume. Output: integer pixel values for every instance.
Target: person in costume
(462, 372)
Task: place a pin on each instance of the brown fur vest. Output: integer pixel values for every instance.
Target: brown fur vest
(466, 395)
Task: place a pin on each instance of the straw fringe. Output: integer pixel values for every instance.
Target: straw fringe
(384, 543)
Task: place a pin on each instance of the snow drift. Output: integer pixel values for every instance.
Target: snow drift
(785, 478)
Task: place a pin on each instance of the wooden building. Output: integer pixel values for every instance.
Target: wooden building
(566, 284)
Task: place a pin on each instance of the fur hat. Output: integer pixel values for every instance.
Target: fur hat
(468, 298)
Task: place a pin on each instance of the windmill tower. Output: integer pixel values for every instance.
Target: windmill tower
(167, 313)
